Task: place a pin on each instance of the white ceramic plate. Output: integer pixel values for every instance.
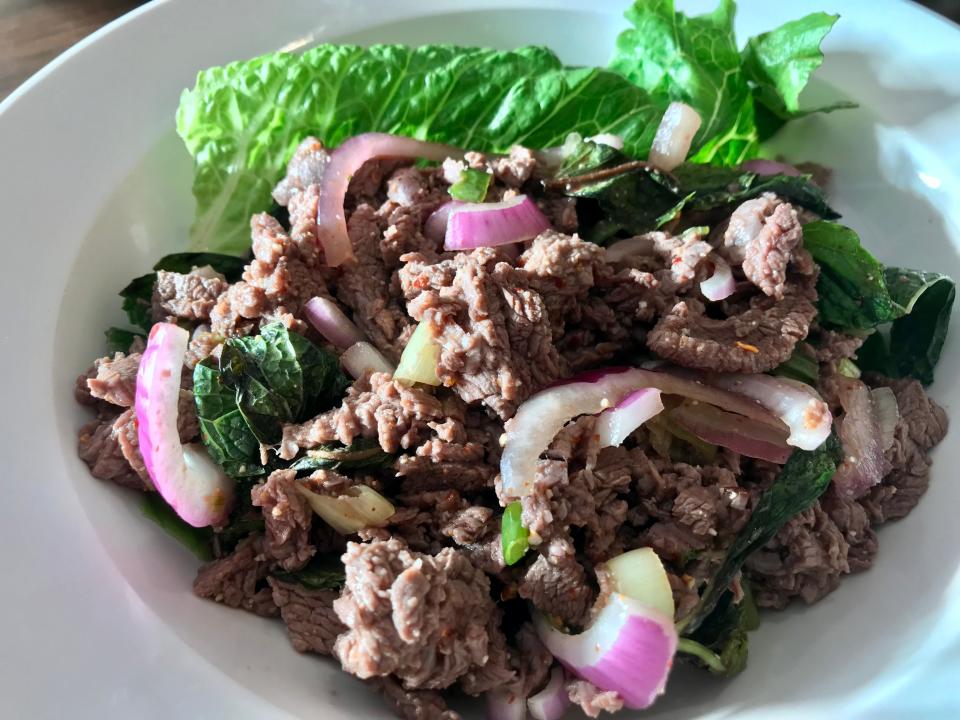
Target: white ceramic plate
(97, 616)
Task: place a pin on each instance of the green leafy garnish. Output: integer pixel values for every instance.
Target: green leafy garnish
(802, 365)
(241, 122)
(635, 198)
(472, 186)
(696, 60)
(196, 540)
(804, 477)
(362, 453)
(321, 573)
(259, 384)
(721, 642)
(858, 293)
(513, 534)
(119, 340)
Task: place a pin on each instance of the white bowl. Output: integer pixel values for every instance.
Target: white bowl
(98, 617)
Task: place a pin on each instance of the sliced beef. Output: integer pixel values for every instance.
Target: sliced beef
(591, 699)
(422, 618)
(364, 286)
(238, 580)
(99, 447)
(312, 624)
(238, 310)
(396, 415)
(413, 704)
(496, 672)
(438, 465)
(189, 296)
(287, 517)
(304, 169)
(922, 425)
(755, 340)
(116, 379)
(128, 438)
(762, 234)
(557, 584)
(493, 330)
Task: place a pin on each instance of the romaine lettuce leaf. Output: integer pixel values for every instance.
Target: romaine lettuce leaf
(242, 121)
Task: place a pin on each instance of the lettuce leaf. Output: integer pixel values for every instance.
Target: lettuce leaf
(242, 121)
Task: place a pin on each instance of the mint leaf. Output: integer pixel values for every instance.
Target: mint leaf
(223, 429)
(804, 477)
(472, 186)
(119, 340)
(196, 540)
(362, 453)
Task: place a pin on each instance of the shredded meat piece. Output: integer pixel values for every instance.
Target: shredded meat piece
(99, 447)
(591, 699)
(287, 516)
(312, 624)
(413, 704)
(493, 329)
(762, 234)
(377, 406)
(116, 379)
(422, 618)
(189, 296)
(557, 584)
(238, 580)
(756, 340)
(304, 169)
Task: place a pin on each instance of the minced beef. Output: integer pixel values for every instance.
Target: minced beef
(238, 580)
(287, 517)
(189, 296)
(312, 624)
(422, 618)
(493, 329)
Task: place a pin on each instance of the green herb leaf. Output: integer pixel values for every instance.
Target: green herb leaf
(196, 540)
(514, 535)
(136, 301)
(362, 453)
(472, 186)
(223, 428)
(321, 573)
(721, 642)
(804, 477)
(802, 365)
(918, 336)
(780, 62)
(119, 340)
(714, 187)
(853, 293)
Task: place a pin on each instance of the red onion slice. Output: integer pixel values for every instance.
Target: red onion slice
(796, 404)
(473, 225)
(503, 704)
(362, 357)
(887, 411)
(435, 228)
(538, 420)
(740, 434)
(639, 574)
(616, 424)
(344, 162)
(674, 135)
(185, 476)
(330, 321)
(628, 649)
(770, 167)
(552, 702)
(638, 245)
(720, 285)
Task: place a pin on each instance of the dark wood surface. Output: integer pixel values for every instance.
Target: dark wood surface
(33, 32)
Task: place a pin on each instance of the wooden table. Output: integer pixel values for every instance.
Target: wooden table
(33, 32)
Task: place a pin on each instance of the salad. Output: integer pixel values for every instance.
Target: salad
(493, 375)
